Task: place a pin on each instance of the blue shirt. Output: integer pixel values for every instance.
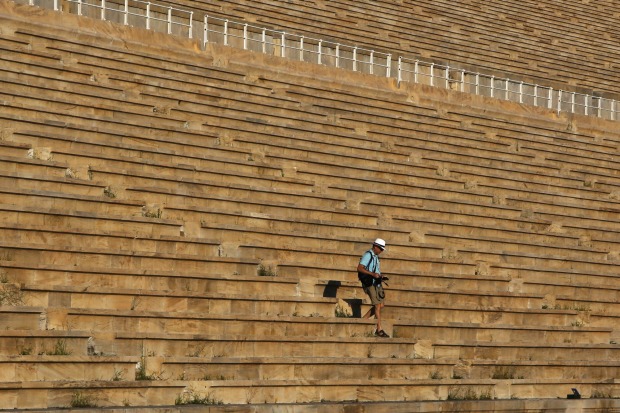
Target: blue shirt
(370, 261)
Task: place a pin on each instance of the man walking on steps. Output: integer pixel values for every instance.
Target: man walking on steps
(369, 274)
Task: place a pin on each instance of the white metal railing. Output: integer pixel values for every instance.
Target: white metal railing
(171, 20)
(292, 46)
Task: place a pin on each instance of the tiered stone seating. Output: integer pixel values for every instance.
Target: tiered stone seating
(553, 46)
(188, 222)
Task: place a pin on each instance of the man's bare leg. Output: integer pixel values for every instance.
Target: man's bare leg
(370, 312)
(378, 314)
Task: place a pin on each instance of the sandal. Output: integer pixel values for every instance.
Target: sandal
(381, 333)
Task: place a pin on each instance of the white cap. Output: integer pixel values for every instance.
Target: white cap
(379, 243)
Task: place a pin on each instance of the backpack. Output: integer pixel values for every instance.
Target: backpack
(365, 279)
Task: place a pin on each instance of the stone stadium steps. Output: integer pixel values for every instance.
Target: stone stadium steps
(350, 368)
(500, 333)
(233, 185)
(192, 206)
(170, 290)
(13, 149)
(34, 181)
(191, 302)
(167, 104)
(242, 304)
(464, 123)
(302, 391)
(593, 405)
(44, 254)
(577, 251)
(53, 367)
(458, 23)
(469, 293)
(40, 342)
(40, 395)
(201, 345)
(116, 155)
(511, 352)
(22, 318)
(108, 321)
(456, 158)
(67, 238)
(158, 279)
(55, 219)
(100, 393)
(227, 225)
(264, 346)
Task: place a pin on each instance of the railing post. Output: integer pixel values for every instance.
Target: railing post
(191, 24)
(415, 71)
(372, 61)
(245, 36)
(301, 49)
(169, 20)
(585, 105)
(283, 46)
(492, 86)
(507, 88)
(535, 95)
(225, 32)
(55, 5)
(600, 108)
(550, 98)
(337, 55)
(521, 92)
(477, 83)
(572, 103)
(205, 31)
(103, 10)
(126, 14)
(320, 51)
(148, 15)
(432, 74)
(559, 101)
(264, 40)
(79, 7)
(400, 69)
(31, 2)
(355, 59)
(462, 80)
(388, 66)
(447, 77)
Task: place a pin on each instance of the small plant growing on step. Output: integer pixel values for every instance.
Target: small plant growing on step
(118, 375)
(10, 294)
(504, 372)
(598, 394)
(192, 397)
(60, 349)
(25, 351)
(80, 399)
(141, 373)
(109, 192)
(457, 393)
(341, 312)
(266, 271)
(436, 375)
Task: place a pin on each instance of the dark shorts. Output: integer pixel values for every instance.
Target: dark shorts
(372, 293)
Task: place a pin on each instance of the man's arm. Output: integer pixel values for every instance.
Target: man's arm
(363, 270)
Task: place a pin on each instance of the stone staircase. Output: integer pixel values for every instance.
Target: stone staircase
(180, 227)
